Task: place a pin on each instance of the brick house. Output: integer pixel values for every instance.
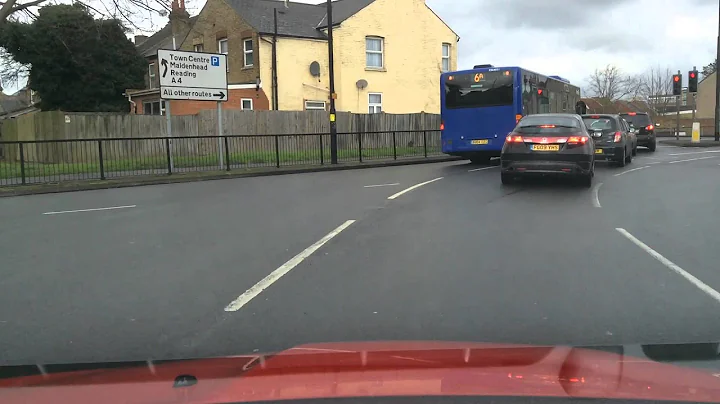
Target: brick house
(385, 60)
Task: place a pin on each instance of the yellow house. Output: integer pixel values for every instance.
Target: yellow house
(388, 54)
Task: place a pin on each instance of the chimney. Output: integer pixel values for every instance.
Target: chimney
(140, 39)
(179, 20)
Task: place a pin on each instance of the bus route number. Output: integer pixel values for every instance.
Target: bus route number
(478, 77)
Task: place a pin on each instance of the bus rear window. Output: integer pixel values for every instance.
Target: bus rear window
(473, 90)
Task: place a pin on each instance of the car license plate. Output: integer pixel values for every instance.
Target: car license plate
(546, 147)
(598, 151)
(480, 141)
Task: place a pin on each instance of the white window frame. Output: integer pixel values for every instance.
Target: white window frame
(381, 52)
(242, 104)
(198, 47)
(248, 52)
(375, 106)
(446, 58)
(227, 50)
(324, 105)
(151, 75)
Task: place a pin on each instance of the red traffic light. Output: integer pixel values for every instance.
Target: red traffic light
(676, 78)
(692, 75)
(540, 91)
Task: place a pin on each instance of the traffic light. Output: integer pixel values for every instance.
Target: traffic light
(677, 84)
(693, 81)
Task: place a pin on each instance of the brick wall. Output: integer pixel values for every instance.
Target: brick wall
(216, 21)
(260, 102)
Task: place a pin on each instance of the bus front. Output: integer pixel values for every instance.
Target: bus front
(479, 108)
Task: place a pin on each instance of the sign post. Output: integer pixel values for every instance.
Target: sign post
(194, 76)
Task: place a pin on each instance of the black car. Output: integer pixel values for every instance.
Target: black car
(644, 128)
(542, 144)
(613, 141)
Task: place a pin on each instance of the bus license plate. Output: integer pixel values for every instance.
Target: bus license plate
(480, 141)
(546, 147)
(598, 151)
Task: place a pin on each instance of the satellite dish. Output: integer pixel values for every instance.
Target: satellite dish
(315, 69)
(362, 83)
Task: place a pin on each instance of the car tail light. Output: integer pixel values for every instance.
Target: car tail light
(442, 125)
(618, 137)
(650, 127)
(577, 140)
(632, 113)
(513, 138)
(547, 126)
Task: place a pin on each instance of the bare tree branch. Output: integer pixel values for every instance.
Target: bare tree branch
(657, 88)
(611, 83)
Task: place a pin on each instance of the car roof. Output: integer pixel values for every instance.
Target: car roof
(614, 116)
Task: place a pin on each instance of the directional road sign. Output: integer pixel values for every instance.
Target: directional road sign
(193, 76)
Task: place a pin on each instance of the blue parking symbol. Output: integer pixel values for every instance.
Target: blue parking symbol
(215, 60)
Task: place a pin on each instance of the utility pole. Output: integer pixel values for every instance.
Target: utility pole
(717, 83)
(331, 63)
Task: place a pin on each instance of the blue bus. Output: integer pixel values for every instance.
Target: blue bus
(479, 107)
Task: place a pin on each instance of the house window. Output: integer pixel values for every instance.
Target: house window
(246, 104)
(315, 105)
(375, 103)
(223, 48)
(446, 57)
(154, 107)
(200, 48)
(374, 52)
(151, 75)
(248, 52)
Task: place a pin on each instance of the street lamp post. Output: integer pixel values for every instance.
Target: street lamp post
(331, 65)
(717, 83)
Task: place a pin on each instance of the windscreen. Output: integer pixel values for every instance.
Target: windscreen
(600, 124)
(547, 125)
(473, 90)
(638, 121)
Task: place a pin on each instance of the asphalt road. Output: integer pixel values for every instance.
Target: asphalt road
(178, 271)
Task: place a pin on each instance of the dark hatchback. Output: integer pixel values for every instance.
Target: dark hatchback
(548, 144)
(644, 128)
(613, 142)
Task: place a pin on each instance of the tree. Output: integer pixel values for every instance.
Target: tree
(77, 63)
(657, 88)
(709, 69)
(611, 83)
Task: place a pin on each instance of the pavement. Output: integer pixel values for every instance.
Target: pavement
(426, 252)
(686, 142)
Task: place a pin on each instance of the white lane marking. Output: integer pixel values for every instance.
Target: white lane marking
(275, 275)
(655, 162)
(89, 210)
(381, 185)
(674, 267)
(629, 171)
(483, 168)
(596, 196)
(699, 158)
(696, 152)
(404, 191)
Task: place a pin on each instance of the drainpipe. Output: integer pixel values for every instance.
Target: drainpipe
(274, 63)
(134, 105)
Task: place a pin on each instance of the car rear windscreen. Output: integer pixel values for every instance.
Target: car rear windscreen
(600, 124)
(473, 90)
(638, 120)
(548, 125)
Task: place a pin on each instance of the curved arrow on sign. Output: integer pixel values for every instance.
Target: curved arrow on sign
(164, 65)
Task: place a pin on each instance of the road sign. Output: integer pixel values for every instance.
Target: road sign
(192, 76)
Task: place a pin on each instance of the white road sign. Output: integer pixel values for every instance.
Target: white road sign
(192, 75)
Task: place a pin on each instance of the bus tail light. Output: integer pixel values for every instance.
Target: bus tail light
(618, 137)
(518, 117)
(442, 125)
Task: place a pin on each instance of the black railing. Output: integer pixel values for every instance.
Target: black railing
(51, 161)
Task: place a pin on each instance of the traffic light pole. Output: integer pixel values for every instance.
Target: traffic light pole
(677, 110)
(331, 63)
